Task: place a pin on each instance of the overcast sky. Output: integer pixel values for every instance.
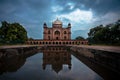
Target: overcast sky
(82, 14)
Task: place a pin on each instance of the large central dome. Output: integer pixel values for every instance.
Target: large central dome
(57, 21)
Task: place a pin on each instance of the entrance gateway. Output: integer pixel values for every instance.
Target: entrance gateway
(56, 35)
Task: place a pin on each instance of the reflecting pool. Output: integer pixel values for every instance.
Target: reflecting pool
(46, 63)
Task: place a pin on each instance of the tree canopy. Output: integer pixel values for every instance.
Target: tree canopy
(12, 33)
(79, 38)
(109, 34)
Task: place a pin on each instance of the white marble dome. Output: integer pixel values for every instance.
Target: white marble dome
(57, 21)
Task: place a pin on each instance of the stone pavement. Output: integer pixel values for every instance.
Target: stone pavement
(103, 48)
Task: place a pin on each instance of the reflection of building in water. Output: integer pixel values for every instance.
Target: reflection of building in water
(56, 57)
(13, 59)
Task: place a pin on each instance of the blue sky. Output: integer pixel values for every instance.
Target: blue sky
(82, 14)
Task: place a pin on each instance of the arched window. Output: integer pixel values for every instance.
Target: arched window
(56, 42)
(49, 32)
(65, 37)
(65, 32)
(57, 38)
(59, 42)
(49, 37)
(57, 33)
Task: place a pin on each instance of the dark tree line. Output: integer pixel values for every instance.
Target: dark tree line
(79, 38)
(109, 34)
(12, 33)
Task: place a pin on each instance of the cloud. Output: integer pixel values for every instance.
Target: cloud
(82, 14)
(57, 8)
(70, 5)
(79, 19)
(108, 18)
(101, 7)
(78, 15)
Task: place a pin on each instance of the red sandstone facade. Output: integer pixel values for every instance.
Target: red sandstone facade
(57, 32)
(57, 35)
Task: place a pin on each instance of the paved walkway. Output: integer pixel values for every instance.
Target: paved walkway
(16, 46)
(104, 48)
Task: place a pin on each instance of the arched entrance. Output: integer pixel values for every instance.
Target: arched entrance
(57, 35)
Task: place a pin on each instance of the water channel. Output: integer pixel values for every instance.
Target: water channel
(48, 63)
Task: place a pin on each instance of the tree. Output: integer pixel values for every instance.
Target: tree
(94, 30)
(92, 34)
(115, 31)
(109, 34)
(79, 38)
(30, 38)
(12, 33)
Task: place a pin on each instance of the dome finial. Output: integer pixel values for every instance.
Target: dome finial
(57, 21)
